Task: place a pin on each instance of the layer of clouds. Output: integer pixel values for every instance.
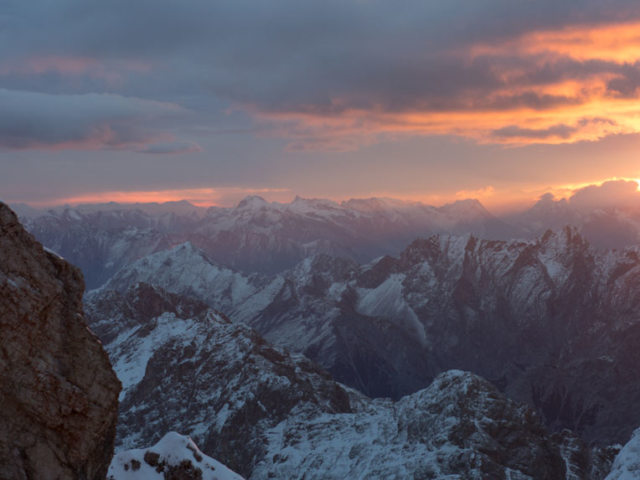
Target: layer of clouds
(618, 193)
(513, 131)
(329, 75)
(31, 120)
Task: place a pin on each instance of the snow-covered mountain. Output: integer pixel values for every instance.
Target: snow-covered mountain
(627, 463)
(268, 414)
(604, 227)
(187, 270)
(180, 207)
(299, 311)
(102, 242)
(272, 237)
(254, 236)
(173, 457)
(259, 236)
(551, 321)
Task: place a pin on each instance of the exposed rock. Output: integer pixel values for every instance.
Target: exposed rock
(584, 462)
(58, 392)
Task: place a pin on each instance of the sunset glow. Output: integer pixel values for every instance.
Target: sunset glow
(201, 197)
(586, 97)
(433, 103)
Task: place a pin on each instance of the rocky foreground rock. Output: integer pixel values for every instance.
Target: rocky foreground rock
(58, 392)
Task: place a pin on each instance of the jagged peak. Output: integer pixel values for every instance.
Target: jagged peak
(567, 235)
(469, 206)
(252, 201)
(313, 202)
(337, 268)
(548, 202)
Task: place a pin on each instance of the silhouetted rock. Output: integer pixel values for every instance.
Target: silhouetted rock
(58, 392)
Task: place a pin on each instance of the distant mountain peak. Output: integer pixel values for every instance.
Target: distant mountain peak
(548, 201)
(252, 201)
(465, 207)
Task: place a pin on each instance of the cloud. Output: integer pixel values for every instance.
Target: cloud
(31, 120)
(172, 148)
(110, 71)
(339, 74)
(515, 132)
(479, 194)
(620, 193)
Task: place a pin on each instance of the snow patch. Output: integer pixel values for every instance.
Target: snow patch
(174, 450)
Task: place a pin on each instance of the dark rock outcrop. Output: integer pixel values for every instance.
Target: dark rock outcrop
(58, 392)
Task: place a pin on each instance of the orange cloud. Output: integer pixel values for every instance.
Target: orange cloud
(579, 83)
(618, 42)
(480, 194)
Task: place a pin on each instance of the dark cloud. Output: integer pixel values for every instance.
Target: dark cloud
(515, 132)
(282, 54)
(317, 58)
(628, 81)
(31, 120)
(531, 100)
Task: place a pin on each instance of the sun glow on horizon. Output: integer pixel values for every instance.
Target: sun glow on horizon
(200, 197)
(500, 201)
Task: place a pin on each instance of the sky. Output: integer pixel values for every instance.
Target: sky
(210, 101)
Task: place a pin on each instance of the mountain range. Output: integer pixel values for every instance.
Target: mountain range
(268, 414)
(551, 321)
(258, 236)
(340, 369)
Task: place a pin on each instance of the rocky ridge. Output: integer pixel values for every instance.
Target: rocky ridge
(550, 321)
(268, 414)
(58, 394)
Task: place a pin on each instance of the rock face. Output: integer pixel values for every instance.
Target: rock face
(268, 414)
(58, 392)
